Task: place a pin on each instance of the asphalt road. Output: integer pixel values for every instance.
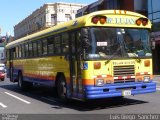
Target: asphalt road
(41, 100)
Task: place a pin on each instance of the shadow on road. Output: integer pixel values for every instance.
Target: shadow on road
(47, 95)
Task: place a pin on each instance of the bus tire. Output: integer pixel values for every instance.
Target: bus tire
(20, 81)
(61, 88)
(22, 84)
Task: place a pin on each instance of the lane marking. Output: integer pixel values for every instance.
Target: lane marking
(1, 104)
(25, 101)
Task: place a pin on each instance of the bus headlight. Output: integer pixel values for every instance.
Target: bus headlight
(146, 79)
(99, 82)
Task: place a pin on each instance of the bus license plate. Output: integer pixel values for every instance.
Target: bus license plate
(126, 92)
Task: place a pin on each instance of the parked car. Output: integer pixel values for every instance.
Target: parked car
(2, 75)
(2, 71)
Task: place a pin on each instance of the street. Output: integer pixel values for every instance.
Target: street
(41, 100)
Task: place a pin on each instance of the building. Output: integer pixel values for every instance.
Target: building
(154, 15)
(140, 6)
(2, 52)
(48, 15)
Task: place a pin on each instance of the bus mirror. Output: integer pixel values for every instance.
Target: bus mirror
(84, 37)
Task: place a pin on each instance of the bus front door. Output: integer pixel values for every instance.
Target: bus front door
(75, 71)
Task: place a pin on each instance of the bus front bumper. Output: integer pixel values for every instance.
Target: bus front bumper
(119, 89)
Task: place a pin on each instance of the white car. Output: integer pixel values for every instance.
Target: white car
(2, 66)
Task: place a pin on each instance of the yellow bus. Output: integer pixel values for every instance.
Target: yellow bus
(100, 55)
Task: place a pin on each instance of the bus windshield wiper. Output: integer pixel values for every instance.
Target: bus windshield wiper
(135, 56)
(109, 59)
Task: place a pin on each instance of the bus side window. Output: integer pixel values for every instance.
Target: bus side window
(30, 50)
(57, 42)
(14, 52)
(50, 45)
(65, 46)
(44, 46)
(35, 49)
(7, 54)
(78, 42)
(73, 43)
(39, 48)
(23, 51)
(20, 51)
(26, 50)
(17, 54)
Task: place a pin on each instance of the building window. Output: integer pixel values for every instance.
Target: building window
(53, 18)
(68, 17)
(154, 14)
(113, 4)
(94, 9)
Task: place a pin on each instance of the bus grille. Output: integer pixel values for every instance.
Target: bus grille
(124, 74)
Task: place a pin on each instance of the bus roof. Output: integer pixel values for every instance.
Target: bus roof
(112, 16)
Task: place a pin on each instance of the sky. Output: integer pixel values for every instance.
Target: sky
(14, 11)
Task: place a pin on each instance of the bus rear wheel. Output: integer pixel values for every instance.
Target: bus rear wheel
(20, 81)
(22, 84)
(61, 88)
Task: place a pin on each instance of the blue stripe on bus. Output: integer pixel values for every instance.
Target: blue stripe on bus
(115, 90)
(46, 82)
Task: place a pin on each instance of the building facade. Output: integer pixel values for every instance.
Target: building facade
(154, 15)
(140, 6)
(48, 15)
(2, 54)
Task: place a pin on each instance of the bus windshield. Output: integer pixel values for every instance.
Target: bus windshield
(108, 43)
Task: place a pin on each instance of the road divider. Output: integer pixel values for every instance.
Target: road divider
(25, 101)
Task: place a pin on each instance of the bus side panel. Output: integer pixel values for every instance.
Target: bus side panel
(42, 70)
